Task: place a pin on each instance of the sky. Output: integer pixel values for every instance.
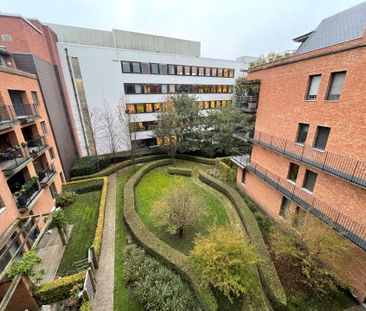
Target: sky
(226, 28)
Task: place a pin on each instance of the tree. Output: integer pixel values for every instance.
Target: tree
(225, 261)
(110, 128)
(179, 210)
(95, 129)
(243, 88)
(59, 221)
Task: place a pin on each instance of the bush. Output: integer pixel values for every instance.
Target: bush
(88, 165)
(58, 289)
(267, 269)
(86, 306)
(65, 198)
(180, 171)
(84, 186)
(175, 259)
(202, 160)
(97, 243)
(155, 286)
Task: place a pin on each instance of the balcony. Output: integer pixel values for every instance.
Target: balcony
(36, 146)
(46, 176)
(13, 161)
(28, 194)
(26, 112)
(247, 103)
(346, 226)
(348, 169)
(6, 118)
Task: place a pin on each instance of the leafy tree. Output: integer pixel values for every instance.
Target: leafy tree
(59, 221)
(179, 210)
(25, 265)
(243, 88)
(226, 261)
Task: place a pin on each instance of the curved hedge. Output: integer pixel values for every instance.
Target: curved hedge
(175, 259)
(267, 270)
(208, 161)
(179, 171)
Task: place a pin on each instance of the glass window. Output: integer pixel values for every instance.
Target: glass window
(131, 108)
(136, 67)
(206, 89)
(231, 73)
(200, 89)
(154, 68)
(226, 73)
(207, 105)
(213, 88)
(219, 89)
(147, 89)
(156, 107)
(148, 108)
(213, 72)
(180, 70)
(164, 88)
(44, 128)
(171, 88)
(171, 69)
(155, 89)
(201, 71)
(187, 70)
(163, 69)
(52, 153)
(145, 68)
(321, 139)
(219, 72)
(53, 190)
(35, 98)
(140, 108)
(126, 67)
(309, 180)
(224, 103)
(200, 105)
(230, 89)
(336, 85)
(314, 82)
(285, 207)
(138, 88)
(302, 133)
(212, 104)
(293, 171)
(194, 71)
(208, 71)
(129, 89)
(195, 88)
(224, 88)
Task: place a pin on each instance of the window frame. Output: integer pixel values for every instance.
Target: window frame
(290, 172)
(299, 131)
(331, 80)
(319, 127)
(129, 66)
(306, 175)
(310, 80)
(157, 67)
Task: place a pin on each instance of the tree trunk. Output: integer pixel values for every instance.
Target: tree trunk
(180, 232)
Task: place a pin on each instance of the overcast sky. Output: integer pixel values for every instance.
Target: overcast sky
(225, 28)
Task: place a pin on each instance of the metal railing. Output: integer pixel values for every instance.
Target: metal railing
(5, 114)
(36, 145)
(24, 199)
(26, 110)
(348, 227)
(335, 164)
(10, 160)
(46, 175)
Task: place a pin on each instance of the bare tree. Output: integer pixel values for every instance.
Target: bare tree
(110, 128)
(95, 129)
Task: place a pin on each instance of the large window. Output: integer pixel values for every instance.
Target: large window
(171, 69)
(285, 207)
(154, 68)
(313, 87)
(136, 67)
(145, 68)
(309, 180)
(194, 71)
(180, 70)
(138, 88)
(321, 139)
(336, 85)
(302, 133)
(187, 70)
(126, 67)
(293, 171)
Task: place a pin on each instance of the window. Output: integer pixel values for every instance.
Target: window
(148, 108)
(194, 71)
(313, 87)
(293, 171)
(52, 153)
(285, 207)
(219, 72)
(136, 67)
(164, 88)
(131, 108)
(145, 68)
(322, 134)
(187, 70)
(180, 70)
(163, 69)
(140, 108)
(336, 85)
(129, 89)
(300, 215)
(154, 68)
(171, 88)
(44, 128)
(231, 73)
(171, 69)
(218, 89)
(213, 72)
(201, 71)
(244, 176)
(212, 104)
(35, 98)
(138, 88)
(208, 72)
(156, 107)
(309, 180)
(224, 88)
(226, 73)
(126, 68)
(302, 133)
(6, 37)
(147, 89)
(230, 89)
(207, 105)
(53, 190)
(213, 88)
(155, 89)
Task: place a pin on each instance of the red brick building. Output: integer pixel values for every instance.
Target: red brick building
(309, 143)
(30, 172)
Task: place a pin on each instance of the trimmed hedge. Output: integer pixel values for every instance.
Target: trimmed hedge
(267, 270)
(97, 243)
(173, 258)
(208, 161)
(179, 171)
(58, 289)
(83, 186)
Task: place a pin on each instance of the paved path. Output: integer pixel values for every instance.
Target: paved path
(103, 299)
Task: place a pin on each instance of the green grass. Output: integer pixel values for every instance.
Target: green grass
(83, 215)
(154, 186)
(121, 298)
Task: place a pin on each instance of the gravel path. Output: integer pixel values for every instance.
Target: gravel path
(103, 299)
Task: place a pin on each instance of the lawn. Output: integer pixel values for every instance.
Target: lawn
(154, 186)
(121, 299)
(83, 215)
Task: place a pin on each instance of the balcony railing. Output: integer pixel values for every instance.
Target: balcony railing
(247, 103)
(338, 165)
(12, 161)
(348, 227)
(25, 111)
(36, 145)
(46, 175)
(28, 194)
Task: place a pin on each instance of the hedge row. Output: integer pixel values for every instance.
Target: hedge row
(267, 270)
(84, 186)
(179, 171)
(58, 289)
(173, 258)
(208, 161)
(97, 243)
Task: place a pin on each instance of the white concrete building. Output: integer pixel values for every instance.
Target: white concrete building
(103, 67)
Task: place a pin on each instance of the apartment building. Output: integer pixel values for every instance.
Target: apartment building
(309, 147)
(107, 69)
(33, 46)
(30, 171)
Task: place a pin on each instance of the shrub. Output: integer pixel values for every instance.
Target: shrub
(155, 286)
(25, 265)
(84, 186)
(86, 306)
(180, 171)
(97, 243)
(267, 269)
(58, 289)
(88, 165)
(65, 199)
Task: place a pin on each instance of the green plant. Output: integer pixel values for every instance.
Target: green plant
(25, 265)
(84, 186)
(180, 171)
(58, 220)
(65, 199)
(88, 165)
(86, 306)
(154, 286)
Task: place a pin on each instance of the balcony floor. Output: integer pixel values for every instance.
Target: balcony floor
(10, 165)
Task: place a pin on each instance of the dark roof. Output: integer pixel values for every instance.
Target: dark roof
(344, 26)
